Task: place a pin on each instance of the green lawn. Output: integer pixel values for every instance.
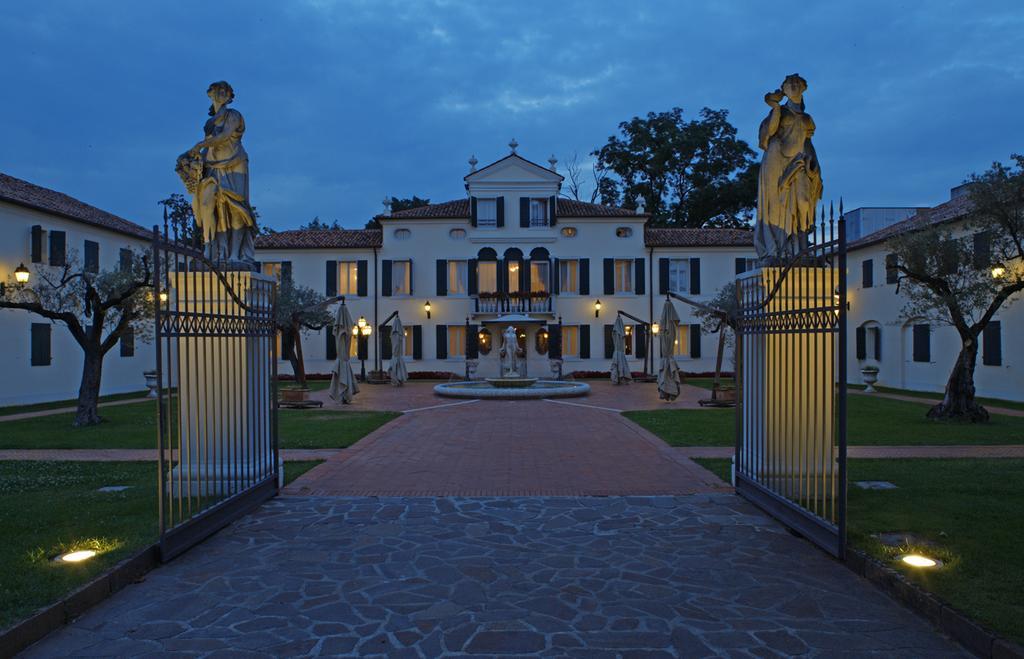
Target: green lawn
(933, 395)
(970, 513)
(134, 426)
(52, 405)
(872, 421)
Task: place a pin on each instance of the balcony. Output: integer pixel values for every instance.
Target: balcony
(505, 303)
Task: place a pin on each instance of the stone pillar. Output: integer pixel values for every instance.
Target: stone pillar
(224, 406)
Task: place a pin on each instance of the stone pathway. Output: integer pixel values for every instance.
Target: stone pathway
(881, 452)
(696, 576)
(137, 454)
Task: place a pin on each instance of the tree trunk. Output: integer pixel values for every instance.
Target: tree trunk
(87, 413)
(298, 364)
(958, 402)
(718, 358)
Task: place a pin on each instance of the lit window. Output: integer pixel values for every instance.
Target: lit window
(408, 347)
(513, 276)
(458, 277)
(539, 271)
(538, 212)
(487, 276)
(272, 269)
(456, 340)
(682, 345)
(623, 275)
(487, 212)
(348, 278)
(570, 341)
(569, 276)
(679, 275)
(568, 232)
(401, 277)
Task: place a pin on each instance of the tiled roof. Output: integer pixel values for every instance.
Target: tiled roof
(704, 237)
(23, 193)
(459, 209)
(951, 210)
(320, 239)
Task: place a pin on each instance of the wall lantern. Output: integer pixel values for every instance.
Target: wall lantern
(655, 328)
(597, 308)
(998, 272)
(361, 323)
(163, 297)
(21, 274)
(426, 307)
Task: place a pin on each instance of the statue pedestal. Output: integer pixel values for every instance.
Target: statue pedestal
(788, 365)
(224, 407)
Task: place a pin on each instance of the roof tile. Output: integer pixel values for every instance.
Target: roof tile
(698, 237)
(321, 239)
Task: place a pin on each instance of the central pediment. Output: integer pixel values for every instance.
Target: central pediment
(513, 168)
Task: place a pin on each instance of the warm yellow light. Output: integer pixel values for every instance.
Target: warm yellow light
(629, 329)
(481, 336)
(366, 330)
(361, 323)
(655, 328)
(597, 305)
(77, 556)
(163, 296)
(514, 267)
(21, 274)
(917, 560)
(998, 272)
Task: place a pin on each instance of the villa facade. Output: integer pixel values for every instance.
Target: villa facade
(512, 252)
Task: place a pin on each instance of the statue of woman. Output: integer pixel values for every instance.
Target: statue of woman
(789, 184)
(509, 353)
(220, 196)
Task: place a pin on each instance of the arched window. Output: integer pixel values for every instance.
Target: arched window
(514, 273)
(869, 341)
(487, 271)
(540, 271)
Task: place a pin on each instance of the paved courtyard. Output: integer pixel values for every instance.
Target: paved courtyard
(693, 576)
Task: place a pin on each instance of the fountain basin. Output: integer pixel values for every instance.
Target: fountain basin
(511, 383)
(537, 389)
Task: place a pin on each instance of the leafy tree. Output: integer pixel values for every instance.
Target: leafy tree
(721, 314)
(98, 308)
(962, 278)
(689, 173)
(299, 310)
(407, 203)
(317, 223)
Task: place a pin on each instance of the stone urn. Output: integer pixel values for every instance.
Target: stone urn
(151, 383)
(870, 376)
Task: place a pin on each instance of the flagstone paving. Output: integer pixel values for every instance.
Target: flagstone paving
(692, 576)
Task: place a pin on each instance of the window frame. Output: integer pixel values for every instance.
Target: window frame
(480, 279)
(562, 290)
(461, 345)
(628, 265)
(685, 262)
(536, 221)
(406, 266)
(544, 265)
(351, 272)
(453, 267)
(566, 355)
(486, 222)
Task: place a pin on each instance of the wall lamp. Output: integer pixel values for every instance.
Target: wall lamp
(597, 308)
(21, 274)
(426, 307)
(655, 328)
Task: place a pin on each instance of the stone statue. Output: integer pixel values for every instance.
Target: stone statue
(216, 173)
(509, 353)
(789, 184)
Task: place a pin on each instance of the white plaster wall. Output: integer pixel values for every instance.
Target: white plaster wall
(23, 383)
(881, 304)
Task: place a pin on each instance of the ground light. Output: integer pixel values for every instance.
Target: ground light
(917, 560)
(76, 556)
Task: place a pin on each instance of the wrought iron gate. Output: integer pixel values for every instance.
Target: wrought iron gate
(216, 353)
(791, 374)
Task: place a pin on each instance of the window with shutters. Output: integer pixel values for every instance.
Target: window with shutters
(681, 347)
(40, 344)
(540, 272)
(92, 257)
(272, 269)
(992, 344)
(407, 348)
(570, 341)
(679, 276)
(348, 277)
(401, 277)
(623, 276)
(456, 341)
(922, 343)
(538, 212)
(569, 276)
(627, 340)
(487, 276)
(867, 272)
(487, 212)
(458, 277)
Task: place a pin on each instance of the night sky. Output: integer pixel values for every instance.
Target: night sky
(348, 101)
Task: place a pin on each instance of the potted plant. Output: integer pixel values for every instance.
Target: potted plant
(869, 372)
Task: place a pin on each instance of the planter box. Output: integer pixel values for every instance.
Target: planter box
(294, 395)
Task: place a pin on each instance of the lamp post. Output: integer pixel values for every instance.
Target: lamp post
(21, 274)
(366, 331)
(655, 329)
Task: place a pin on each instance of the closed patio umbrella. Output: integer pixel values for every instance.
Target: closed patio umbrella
(397, 369)
(620, 367)
(343, 381)
(668, 371)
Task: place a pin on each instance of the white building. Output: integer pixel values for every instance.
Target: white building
(42, 228)
(511, 253)
(913, 353)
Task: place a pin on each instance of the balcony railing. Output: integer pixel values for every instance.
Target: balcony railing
(505, 303)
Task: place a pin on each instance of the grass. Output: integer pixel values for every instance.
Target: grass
(56, 404)
(965, 513)
(296, 468)
(133, 426)
(933, 395)
(872, 422)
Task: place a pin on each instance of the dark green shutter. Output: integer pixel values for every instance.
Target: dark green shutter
(695, 276)
(332, 346)
(584, 276)
(992, 344)
(555, 341)
(500, 212)
(640, 331)
(609, 341)
(867, 273)
(286, 271)
(331, 287)
(695, 341)
(124, 259)
(862, 343)
(892, 275)
(556, 277)
(524, 275)
(524, 212)
(741, 266)
(922, 343)
(40, 344)
(982, 250)
(552, 208)
(37, 244)
(417, 342)
(384, 332)
(472, 211)
(663, 283)
(385, 278)
(58, 248)
(639, 276)
(442, 341)
(609, 276)
(877, 333)
(473, 276)
(362, 281)
(584, 341)
(472, 342)
(502, 271)
(287, 345)
(92, 256)
(442, 277)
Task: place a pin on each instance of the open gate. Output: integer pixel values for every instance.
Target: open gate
(216, 353)
(791, 375)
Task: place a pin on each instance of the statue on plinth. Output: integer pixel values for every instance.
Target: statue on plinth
(216, 173)
(509, 353)
(789, 184)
